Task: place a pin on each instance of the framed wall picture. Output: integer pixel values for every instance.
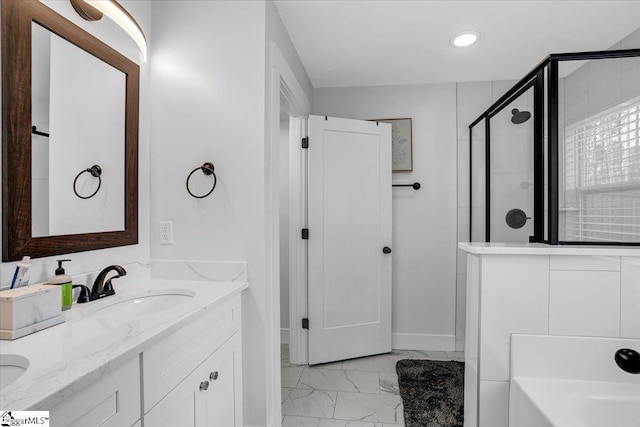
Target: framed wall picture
(401, 144)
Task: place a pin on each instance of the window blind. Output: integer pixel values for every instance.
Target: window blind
(601, 176)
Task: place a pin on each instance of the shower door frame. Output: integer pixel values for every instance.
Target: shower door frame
(535, 80)
(544, 76)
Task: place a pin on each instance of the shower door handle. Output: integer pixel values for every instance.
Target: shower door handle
(386, 250)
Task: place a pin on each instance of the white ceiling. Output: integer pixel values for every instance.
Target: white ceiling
(372, 43)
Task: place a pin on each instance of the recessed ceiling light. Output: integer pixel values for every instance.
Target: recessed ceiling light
(465, 39)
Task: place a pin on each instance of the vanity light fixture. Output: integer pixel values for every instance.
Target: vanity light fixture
(465, 39)
(93, 10)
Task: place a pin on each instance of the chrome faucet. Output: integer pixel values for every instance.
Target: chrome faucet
(103, 289)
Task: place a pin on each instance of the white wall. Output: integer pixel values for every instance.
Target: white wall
(424, 229)
(112, 34)
(277, 33)
(208, 103)
(210, 77)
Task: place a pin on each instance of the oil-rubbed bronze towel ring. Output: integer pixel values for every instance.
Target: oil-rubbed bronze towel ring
(206, 169)
(95, 171)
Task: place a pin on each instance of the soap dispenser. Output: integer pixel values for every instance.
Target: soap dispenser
(64, 281)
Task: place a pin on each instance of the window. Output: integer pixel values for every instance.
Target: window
(601, 172)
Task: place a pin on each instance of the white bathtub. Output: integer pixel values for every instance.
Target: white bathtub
(571, 382)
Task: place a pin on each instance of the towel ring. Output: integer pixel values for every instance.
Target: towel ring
(95, 171)
(206, 169)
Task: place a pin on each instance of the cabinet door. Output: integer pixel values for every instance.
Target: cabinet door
(182, 407)
(204, 398)
(171, 360)
(112, 401)
(224, 396)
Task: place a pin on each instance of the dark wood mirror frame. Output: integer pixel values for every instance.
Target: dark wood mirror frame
(17, 17)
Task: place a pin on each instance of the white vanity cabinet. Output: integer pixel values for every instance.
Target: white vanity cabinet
(194, 376)
(142, 370)
(112, 401)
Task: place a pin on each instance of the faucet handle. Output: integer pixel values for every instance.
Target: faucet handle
(84, 294)
(107, 289)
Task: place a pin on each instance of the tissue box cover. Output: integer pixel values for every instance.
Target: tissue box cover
(29, 305)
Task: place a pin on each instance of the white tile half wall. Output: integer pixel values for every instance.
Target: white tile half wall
(543, 294)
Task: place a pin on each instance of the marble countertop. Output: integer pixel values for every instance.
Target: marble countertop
(542, 249)
(65, 358)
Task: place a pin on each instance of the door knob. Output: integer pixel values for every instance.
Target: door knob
(204, 385)
(386, 250)
(213, 375)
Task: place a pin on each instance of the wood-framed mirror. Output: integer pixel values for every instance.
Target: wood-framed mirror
(90, 95)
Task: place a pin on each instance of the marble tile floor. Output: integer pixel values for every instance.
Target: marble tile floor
(354, 393)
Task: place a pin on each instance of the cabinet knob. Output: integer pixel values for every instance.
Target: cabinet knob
(386, 250)
(213, 375)
(204, 385)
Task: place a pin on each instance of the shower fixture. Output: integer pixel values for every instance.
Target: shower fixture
(516, 218)
(519, 116)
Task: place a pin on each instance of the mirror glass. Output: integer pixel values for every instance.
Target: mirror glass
(79, 101)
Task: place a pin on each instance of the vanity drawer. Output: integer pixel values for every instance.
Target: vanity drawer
(112, 401)
(168, 362)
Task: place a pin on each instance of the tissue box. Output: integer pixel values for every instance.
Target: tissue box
(29, 309)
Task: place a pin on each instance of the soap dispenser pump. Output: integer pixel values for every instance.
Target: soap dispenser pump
(64, 281)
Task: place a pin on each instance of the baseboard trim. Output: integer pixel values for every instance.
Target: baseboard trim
(427, 342)
(276, 420)
(284, 335)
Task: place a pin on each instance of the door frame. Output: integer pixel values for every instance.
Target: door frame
(298, 248)
(283, 82)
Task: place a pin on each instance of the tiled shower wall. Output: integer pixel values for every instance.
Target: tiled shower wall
(600, 84)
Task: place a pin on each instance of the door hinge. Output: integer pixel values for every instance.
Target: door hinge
(305, 323)
(305, 234)
(305, 142)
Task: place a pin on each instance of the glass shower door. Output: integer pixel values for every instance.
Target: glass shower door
(511, 172)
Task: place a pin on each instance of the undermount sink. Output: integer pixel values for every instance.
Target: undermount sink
(12, 367)
(137, 305)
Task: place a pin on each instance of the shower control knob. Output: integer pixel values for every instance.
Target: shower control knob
(386, 250)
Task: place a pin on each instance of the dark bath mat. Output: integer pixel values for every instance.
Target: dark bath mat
(432, 392)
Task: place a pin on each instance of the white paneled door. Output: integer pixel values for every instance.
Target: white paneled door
(349, 247)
